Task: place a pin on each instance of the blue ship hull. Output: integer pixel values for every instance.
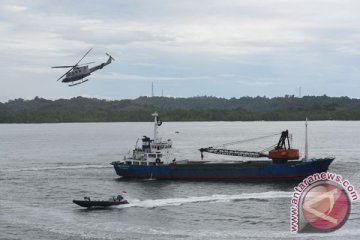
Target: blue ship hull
(247, 171)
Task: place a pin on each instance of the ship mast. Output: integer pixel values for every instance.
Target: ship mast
(306, 141)
(155, 115)
(157, 123)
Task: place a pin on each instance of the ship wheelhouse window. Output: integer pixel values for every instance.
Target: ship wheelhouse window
(143, 163)
(151, 155)
(136, 163)
(159, 155)
(128, 162)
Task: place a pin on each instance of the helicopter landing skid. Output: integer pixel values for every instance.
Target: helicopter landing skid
(74, 84)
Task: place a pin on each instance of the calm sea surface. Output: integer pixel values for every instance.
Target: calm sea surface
(43, 167)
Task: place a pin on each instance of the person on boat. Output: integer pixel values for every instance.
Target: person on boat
(119, 198)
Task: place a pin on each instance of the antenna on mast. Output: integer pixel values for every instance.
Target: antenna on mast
(306, 141)
(152, 89)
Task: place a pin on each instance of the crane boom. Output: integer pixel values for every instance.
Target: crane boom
(230, 152)
(281, 153)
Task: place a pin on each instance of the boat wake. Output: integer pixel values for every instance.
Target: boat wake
(153, 203)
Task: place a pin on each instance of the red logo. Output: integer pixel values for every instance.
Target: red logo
(325, 207)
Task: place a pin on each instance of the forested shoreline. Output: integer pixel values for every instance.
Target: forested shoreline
(204, 108)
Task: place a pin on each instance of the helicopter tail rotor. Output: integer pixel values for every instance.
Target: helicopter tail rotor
(112, 59)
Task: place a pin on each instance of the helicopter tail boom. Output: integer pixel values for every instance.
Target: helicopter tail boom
(110, 59)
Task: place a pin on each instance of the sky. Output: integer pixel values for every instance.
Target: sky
(227, 48)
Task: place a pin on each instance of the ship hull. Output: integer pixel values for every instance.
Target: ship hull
(246, 171)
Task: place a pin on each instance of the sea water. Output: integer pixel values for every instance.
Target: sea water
(43, 167)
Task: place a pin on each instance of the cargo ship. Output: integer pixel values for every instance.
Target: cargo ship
(154, 159)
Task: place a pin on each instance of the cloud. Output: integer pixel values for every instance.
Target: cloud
(229, 28)
(117, 76)
(13, 8)
(301, 40)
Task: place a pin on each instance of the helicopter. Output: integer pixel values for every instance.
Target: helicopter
(78, 72)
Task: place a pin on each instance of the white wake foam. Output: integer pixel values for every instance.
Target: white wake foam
(153, 203)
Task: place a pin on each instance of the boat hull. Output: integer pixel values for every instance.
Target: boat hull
(91, 204)
(247, 171)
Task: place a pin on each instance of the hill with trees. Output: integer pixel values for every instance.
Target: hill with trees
(204, 108)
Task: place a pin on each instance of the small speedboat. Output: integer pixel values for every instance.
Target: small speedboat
(88, 203)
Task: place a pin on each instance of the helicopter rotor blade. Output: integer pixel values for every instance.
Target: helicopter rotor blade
(86, 63)
(83, 56)
(63, 67)
(65, 73)
(72, 67)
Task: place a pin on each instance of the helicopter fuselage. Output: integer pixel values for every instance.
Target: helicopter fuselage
(77, 73)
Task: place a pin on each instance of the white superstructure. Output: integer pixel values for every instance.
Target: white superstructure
(152, 151)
